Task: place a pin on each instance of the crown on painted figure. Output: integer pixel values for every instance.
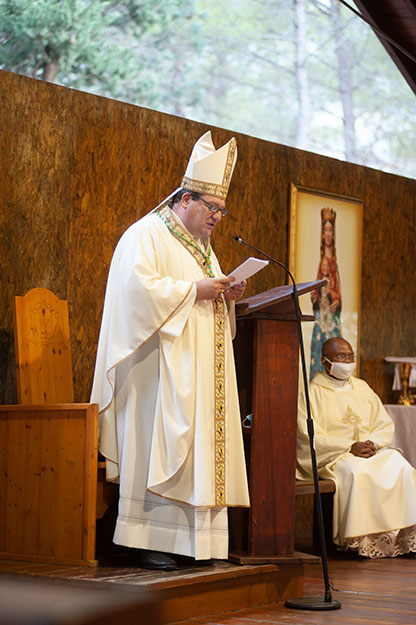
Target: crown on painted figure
(328, 213)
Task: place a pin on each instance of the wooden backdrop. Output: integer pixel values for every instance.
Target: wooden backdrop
(77, 170)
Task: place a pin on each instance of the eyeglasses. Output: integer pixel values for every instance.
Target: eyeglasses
(214, 209)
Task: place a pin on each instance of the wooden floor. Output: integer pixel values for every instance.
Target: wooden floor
(370, 591)
(381, 592)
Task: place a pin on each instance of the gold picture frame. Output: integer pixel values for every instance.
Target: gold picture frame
(325, 241)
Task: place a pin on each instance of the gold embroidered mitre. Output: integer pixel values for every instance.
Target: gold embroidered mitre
(209, 170)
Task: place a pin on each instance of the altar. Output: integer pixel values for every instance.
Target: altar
(404, 418)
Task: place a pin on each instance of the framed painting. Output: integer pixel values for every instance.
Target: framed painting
(325, 242)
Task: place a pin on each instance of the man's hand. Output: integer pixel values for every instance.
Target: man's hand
(363, 449)
(211, 288)
(235, 292)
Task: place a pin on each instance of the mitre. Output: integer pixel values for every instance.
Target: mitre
(209, 170)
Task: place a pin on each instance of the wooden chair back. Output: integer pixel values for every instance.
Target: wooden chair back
(43, 349)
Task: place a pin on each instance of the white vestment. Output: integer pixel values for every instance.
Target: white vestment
(375, 495)
(155, 383)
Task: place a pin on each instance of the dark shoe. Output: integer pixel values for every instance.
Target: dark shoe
(154, 560)
(208, 562)
(188, 561)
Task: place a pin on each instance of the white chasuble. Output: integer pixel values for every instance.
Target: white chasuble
(166, 388)
(373, 495)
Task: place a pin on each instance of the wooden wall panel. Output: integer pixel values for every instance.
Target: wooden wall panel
(36, 161)
(80, 169)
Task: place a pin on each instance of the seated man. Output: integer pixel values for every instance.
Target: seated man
(375, 497)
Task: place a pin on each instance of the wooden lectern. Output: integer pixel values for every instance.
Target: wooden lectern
(267, 362)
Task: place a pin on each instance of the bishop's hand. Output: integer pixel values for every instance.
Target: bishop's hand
(235, 292)
(211, 288)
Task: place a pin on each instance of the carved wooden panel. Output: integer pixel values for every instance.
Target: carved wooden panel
(43, 349)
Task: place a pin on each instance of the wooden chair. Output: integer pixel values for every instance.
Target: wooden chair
(43, 349)
(48, 463)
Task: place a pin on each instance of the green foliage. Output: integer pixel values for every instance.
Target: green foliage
(104, 44)
(35, 33)
(229, 64)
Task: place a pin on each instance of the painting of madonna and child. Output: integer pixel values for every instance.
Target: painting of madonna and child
(325, 243)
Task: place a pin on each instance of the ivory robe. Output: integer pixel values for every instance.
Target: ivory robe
(155, 383)
(373, 495)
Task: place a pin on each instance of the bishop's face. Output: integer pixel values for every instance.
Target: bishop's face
(198, 217)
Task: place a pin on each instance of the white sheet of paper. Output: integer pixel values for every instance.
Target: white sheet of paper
(247, 269)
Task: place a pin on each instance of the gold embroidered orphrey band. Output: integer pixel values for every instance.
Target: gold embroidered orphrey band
(219, 367)
(210, 188)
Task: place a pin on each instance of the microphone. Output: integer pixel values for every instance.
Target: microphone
(256, 249)
(302, 602)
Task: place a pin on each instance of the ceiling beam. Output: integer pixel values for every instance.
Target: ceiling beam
(397, 19)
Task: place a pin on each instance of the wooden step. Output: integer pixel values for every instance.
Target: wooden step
(188, 592)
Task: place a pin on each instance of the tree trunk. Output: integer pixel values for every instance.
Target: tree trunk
(177, 87)
(302, 133)
(51, 65)
(345, 82)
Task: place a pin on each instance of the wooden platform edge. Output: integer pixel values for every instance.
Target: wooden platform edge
(186, 593)
(226, 594)
(298, 557)
(18, 557)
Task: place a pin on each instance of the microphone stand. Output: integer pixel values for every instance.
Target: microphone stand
(307, 603)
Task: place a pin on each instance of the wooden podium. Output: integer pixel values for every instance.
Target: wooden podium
(267, 362)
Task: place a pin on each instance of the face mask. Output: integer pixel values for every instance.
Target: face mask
(341, 370)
